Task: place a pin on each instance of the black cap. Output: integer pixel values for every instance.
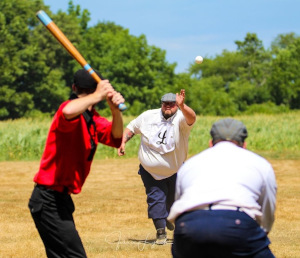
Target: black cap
(229, 129)
(82, 79)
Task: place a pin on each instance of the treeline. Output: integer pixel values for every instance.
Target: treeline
(37, 73)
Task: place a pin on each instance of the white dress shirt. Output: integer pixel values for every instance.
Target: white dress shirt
(227, 175)
(164, 143)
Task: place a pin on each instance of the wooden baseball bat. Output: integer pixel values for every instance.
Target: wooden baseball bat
(65, 42)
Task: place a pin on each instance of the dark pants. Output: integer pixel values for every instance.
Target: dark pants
(160, 194)
(52, 213)
(219, 233)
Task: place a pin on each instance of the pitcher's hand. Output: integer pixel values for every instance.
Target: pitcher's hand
(121, 150)
(180, 98)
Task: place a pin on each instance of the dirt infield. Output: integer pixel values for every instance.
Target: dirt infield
(111, 212)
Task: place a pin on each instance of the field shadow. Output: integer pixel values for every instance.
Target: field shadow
(148, 241)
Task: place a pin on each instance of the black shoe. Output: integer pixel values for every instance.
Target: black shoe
(161, 236)
(170, 226)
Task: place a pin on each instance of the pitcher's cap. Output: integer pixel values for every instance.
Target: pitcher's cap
(228, 129)
(169, 97)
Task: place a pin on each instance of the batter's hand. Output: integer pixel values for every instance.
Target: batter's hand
(103, 88)
(106, 91)
(114, 98)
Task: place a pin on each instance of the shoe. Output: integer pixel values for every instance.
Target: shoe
(170, 225)
(161, 236)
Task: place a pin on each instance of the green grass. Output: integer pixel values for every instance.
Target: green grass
(273, 136)
(23, 139)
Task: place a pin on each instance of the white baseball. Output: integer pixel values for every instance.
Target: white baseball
(199, 59)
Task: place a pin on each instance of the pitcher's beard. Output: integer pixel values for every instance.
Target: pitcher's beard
(168, 115)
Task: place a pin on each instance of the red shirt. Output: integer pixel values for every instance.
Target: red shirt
(65, 159)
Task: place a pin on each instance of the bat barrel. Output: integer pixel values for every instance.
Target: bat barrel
(63, 40)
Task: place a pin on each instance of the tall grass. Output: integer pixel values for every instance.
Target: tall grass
(23, 139)
(274, 136)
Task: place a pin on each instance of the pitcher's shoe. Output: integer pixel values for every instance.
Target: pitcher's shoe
(170, 225)
(161, 236)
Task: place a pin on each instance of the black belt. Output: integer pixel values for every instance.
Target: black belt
(60, 189)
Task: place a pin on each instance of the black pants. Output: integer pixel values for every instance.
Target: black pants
(219, 234)
(160, 194)
(52, 214)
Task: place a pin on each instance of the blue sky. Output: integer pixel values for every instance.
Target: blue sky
(187, 28)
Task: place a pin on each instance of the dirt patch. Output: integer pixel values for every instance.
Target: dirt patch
(111, 214)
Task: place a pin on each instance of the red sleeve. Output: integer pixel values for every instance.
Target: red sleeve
(104, 128)
(62, 124)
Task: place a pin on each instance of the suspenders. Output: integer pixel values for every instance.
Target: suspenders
(88, 117)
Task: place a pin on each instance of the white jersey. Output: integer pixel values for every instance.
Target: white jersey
(227, 175)
(164, 143)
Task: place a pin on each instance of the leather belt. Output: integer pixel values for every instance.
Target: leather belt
(217, 206)
(222, 207)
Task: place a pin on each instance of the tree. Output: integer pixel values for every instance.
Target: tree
(284, 83)
(15, 55)
(52, 83)
(283, 41)
(256, 68)
(244, 73)
(41, 71)
(228, 65)
(35, 68)
(139, 71)
(37, 72)
(210, 98)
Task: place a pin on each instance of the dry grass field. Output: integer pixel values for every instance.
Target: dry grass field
(111, 212)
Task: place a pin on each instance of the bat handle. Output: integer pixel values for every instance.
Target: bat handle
(122, 107)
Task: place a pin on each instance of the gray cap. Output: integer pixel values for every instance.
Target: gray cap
(169, 97)
(229, 129)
